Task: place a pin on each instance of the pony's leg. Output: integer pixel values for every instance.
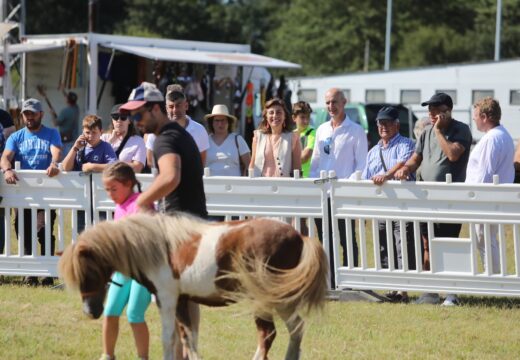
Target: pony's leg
(294, 324)
(266, 333)
(168, 305)
(188, 319)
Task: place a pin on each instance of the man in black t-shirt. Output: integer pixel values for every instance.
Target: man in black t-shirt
(179, 183)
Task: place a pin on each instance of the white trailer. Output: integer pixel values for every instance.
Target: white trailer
(41, 63)
(466, 83)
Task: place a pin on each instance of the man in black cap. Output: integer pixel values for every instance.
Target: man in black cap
(383, 161)
(67, 121)
(443, 148)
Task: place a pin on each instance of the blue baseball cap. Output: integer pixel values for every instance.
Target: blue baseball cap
(33, 105)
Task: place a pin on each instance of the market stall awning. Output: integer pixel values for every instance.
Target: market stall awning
(200, 56)
(28, 47)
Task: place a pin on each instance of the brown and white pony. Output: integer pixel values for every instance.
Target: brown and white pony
(263, 261)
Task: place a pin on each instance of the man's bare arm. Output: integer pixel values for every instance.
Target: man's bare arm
(166, 181)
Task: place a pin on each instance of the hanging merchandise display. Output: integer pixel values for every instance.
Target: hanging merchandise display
(250, 124)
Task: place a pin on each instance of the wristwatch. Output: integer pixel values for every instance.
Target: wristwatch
(6, 170)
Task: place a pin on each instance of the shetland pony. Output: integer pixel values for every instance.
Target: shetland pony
(178, 258)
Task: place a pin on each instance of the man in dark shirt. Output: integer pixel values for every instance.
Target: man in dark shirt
(443, 148)
(179, 183)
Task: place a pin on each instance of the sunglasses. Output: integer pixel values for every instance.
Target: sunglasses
(328, 145)
(116, 117)
(139, 115)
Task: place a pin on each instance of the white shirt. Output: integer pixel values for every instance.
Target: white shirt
(347, 149)
(134, 149)
(197, 132)
(224, 159)
(493, 154)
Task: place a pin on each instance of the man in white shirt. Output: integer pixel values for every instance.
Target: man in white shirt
(492, 155)
(176, 108)
(341, 145)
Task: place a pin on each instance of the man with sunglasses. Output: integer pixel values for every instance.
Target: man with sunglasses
(383, 161)
(179, 182)
(443, 148)
(178, 185)
(340, 145)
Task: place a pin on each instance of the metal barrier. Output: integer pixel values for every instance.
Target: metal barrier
(454, 264)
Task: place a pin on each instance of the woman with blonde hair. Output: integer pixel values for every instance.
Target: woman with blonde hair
(276, 148)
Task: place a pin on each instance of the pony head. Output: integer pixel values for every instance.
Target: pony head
(82, 269)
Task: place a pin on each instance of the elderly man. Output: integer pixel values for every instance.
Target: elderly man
(492, 155)
(443, 148)
(383, 161)
(36, 147)
(340, 145)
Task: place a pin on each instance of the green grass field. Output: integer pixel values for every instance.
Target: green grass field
(42, 323)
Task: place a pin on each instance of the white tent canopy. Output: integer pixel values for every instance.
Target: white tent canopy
(201, 56)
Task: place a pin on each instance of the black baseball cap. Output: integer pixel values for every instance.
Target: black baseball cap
(387, 113)
(439, 99)
(115, 109)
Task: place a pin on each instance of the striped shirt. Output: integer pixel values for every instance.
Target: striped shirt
(399, 149)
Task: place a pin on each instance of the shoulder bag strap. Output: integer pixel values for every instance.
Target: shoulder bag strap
(122, 146)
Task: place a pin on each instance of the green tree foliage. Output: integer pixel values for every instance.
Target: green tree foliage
(326, 36)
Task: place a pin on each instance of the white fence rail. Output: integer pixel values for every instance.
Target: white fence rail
(455, 265)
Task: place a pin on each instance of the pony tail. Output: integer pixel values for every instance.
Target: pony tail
(264, 288)
(139, 189)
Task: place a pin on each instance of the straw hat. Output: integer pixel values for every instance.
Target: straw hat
(221, 110)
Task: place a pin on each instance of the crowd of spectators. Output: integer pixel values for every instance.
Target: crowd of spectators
(179, 147)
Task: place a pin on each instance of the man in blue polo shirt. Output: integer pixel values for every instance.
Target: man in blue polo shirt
(36, 147)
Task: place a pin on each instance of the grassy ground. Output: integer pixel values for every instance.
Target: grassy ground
(42, 323)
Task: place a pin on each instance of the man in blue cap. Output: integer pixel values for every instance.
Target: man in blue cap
(178, 185)
(383, 161)
(36, 147)
(443, 148)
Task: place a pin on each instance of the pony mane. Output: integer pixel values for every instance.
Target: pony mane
(129, 245)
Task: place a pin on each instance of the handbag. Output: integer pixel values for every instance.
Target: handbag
(242, 167)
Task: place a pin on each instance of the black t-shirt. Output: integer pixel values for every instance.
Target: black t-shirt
(5, 119)
(189, 195)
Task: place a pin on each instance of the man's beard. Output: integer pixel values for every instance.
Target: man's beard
(34, 124)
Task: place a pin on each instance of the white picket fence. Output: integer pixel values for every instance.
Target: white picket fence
(454, 261)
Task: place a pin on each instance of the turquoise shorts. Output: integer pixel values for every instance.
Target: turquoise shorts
(130, 292)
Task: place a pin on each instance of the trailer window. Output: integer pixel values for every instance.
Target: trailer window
(410, 96)
(480, 94)
(378, 95)
(308, 95)
(514, 97)
(451, 93)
